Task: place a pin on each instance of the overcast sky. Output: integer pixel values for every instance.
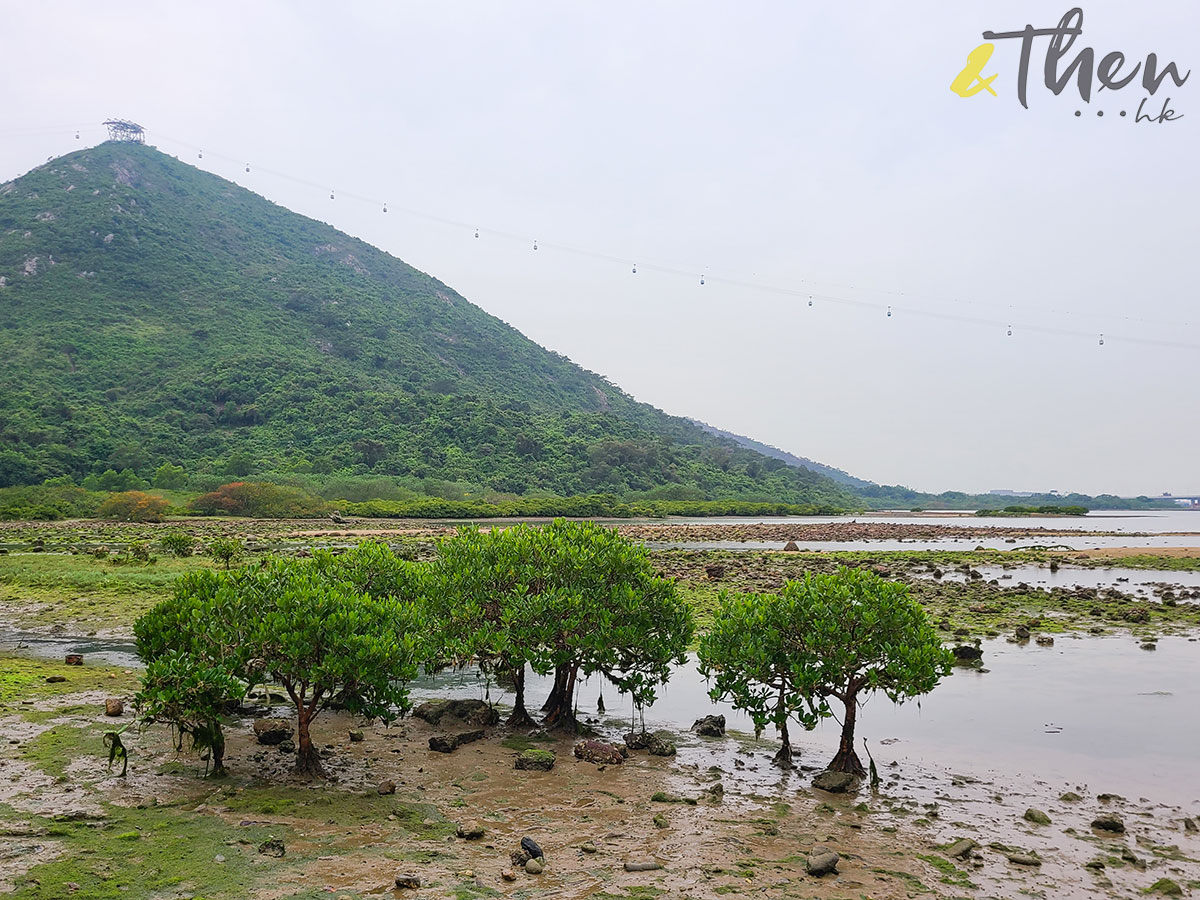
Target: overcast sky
(815, 148)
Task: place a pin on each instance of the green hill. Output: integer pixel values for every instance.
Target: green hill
(151, 312)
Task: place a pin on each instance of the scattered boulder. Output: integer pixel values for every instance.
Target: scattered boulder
(471, 831)
(74, 659)
(961, 849)
(660, 821)
(835, 782)
(790, 546)
(637, 740)
(114, 706)
(406, 880)
(470, 712)
(1022, 633)
(55, 679)
(710, 726)
(1036, 816)
(1070, 797)
(662, 743)
(715, 572)
(1023, 859)
(967, 653)
(530, 846)
(272, 731)
(588, 847)
(448, 743)
(272, 847)
(1190, 825)
(1109, 822)
(821, 862)
(1044, 640)
(508, 874)
(1166, 887)
(386, 787)
(535, 866)
(356, 736)
(600, 752)
(536, 760)
(642, 865)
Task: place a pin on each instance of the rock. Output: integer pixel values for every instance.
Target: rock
(519, 858)
(356, 736)
(1166, 887)
(1148, 645)
(1190, 825)
(448, 743)
(1109, 822)
(408, 880)
(600, 752)
(790, 546)
(637, 740)
(835, 782)
(508, 874)
(74, 659)
(537, 760)
(715, 572)
(710, 726)
(642, 865)
(386, 787)
(1036, 816)
(821, 862)
(1023, 859)
(55, 679)
(961, 848)
(272, 731)
(1044, 640)
(588, 847)
(660, 821)
(114, 706)
(662, 743)
(470, 712)
(535, 866)
(1070, 797)
(272, 847)
(471, 831)
(1022, 633)
(530, 846)
(967, 653)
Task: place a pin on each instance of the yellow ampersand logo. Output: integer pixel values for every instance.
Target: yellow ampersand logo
(970, 80)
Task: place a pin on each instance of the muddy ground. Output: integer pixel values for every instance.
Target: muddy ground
(69, 828)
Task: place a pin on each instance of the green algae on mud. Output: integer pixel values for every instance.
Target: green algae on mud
(23, 678)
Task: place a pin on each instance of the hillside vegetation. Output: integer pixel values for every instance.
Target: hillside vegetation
(153, 314)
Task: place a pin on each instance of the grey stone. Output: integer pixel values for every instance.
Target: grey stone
(642, 865)
(272, 731)
(1036, 816)
(710, 726)
(961, 848)
(535, 866)
(408, 880)
(835, 782)
(1109, 822)
(448, 743)
(821, 862)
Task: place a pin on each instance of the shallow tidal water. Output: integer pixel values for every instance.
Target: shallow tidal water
(1091, 711)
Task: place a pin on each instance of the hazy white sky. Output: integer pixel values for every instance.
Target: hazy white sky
(811, 146)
